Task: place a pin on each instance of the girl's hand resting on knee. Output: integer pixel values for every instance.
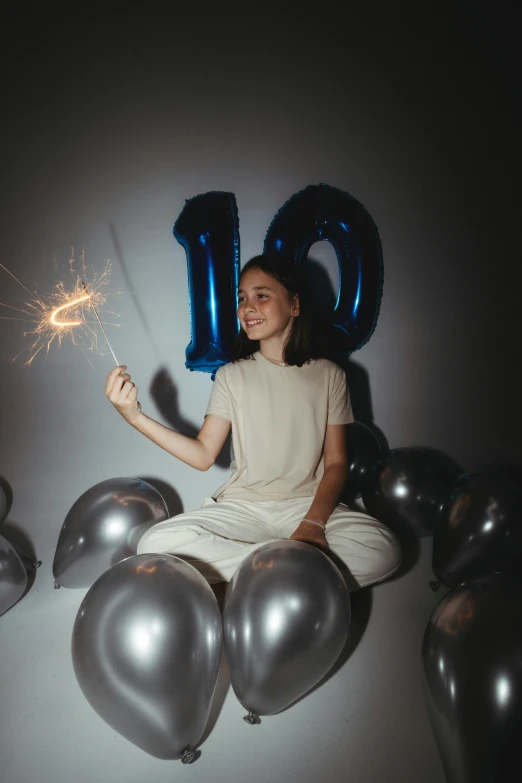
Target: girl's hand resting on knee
(310, 533)
(123, 394)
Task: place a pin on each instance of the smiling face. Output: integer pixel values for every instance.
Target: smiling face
(264, 311)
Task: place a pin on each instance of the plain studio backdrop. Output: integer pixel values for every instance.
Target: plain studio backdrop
(108, 124)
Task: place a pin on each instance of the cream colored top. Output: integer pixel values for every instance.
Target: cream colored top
(279, 415)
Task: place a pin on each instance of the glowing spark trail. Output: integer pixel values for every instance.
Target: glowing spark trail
(47, 313)
(66, 307)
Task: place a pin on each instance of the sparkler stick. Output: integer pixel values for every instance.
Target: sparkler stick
(101, 325)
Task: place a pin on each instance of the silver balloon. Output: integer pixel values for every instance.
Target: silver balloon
(29, 562)
(13, 576)
(146, 650)
(3, 504)
(286, 620)
(104, 527)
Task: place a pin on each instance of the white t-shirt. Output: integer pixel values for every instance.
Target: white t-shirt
(279, 416)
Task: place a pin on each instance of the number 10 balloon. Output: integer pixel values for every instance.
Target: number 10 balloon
(208, 229)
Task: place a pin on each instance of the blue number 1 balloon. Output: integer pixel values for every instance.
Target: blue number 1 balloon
(208, 229)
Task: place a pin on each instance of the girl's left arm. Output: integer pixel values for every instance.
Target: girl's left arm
(330, 487)
(328, 493)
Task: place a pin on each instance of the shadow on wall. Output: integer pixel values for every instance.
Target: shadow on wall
(165, 395)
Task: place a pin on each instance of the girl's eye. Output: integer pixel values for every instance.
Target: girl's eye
(241, 298)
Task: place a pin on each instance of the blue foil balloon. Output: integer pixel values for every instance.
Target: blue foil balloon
(208, 229)
(321, 212)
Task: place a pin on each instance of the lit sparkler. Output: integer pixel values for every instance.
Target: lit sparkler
(98, 318)
(63, 313)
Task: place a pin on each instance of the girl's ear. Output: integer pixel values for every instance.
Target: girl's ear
(295, 310)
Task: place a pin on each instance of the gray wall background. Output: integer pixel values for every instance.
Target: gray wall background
(109, 124)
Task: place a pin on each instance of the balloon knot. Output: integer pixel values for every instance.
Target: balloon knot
(188, 756)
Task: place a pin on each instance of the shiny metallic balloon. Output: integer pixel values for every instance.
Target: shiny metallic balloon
(146, 650)
(483, 529)
(3, 504)
(286, 620)
(29, 562)
(363, 450)
(408, 488)
(13, 576)
(472, 660)
(103, 527)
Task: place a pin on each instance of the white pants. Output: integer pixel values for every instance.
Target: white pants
(217, 537)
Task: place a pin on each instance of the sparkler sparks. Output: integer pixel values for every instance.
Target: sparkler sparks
(63, 313)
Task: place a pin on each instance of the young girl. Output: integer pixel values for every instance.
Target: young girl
(287, 406)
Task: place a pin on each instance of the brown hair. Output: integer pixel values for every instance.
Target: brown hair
(307, 340)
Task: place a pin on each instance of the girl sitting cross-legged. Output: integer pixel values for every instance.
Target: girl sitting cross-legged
(288, 407)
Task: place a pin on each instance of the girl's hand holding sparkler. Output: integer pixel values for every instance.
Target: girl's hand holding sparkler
(123, 394)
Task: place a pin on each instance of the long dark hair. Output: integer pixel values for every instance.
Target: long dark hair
(307, 339)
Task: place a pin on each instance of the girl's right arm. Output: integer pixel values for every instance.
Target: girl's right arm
(199, 453)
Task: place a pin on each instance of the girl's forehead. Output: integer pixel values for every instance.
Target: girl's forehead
(254, 272)
(255, 278)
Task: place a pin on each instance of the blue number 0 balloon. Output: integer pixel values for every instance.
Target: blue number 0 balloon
(208, 229)
(321, 212)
